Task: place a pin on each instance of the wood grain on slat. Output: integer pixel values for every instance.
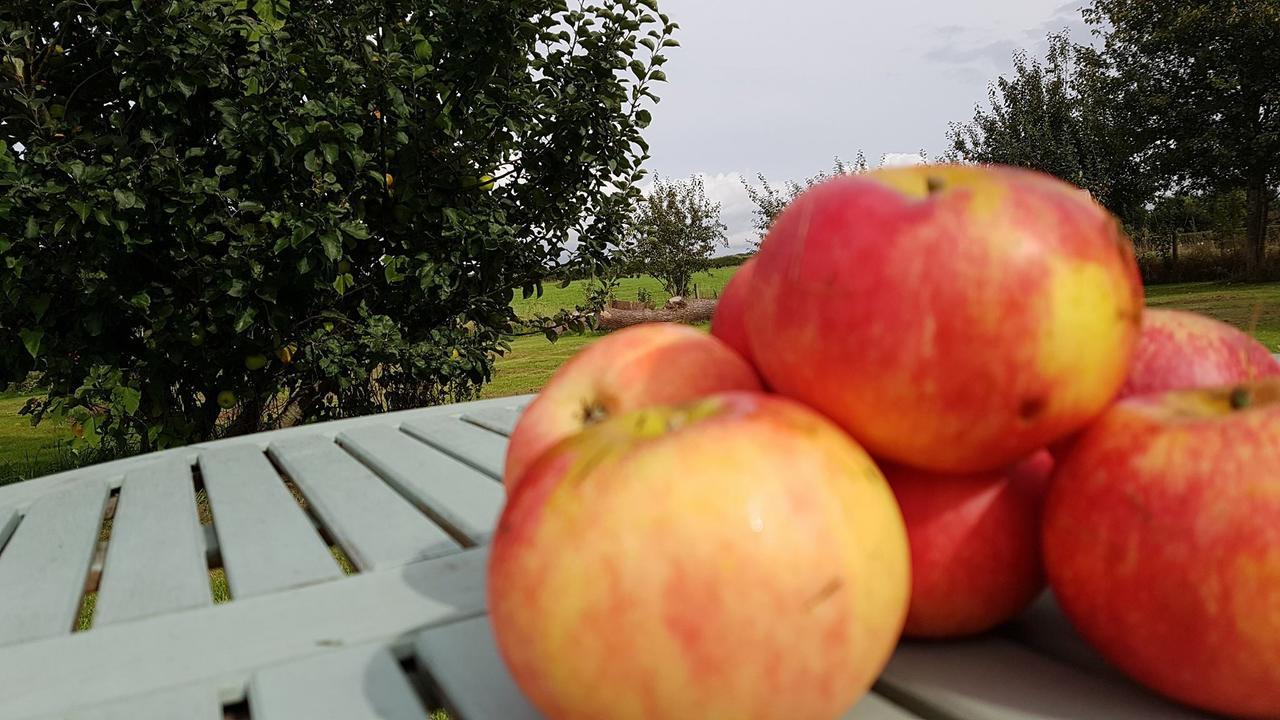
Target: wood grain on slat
(223, 645)
(994, 679)
(462, 661)
(44, 565)
(501, 420)
(199, 702)
(480, 448)
(156, 559)
(455, 494)
(373, 524)
(266, 541)
(360, 683)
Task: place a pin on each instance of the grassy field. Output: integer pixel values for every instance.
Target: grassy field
(555, 298)
(1252, 308)
(27, 452)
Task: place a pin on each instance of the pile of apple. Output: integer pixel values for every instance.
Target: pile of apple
(932, 389)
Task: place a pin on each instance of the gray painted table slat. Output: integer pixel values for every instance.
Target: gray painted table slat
(456, 495)
(266, 540)
(501, 420)
(360, 683)
(376, 527)
(193, 702)
(45, 564)
(156, 558)
(472, 444)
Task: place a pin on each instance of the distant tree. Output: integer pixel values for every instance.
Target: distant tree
(1061, 115)
(771, 200)
(1206, 76)
(676, 229)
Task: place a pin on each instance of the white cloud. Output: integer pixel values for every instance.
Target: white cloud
(902, 159)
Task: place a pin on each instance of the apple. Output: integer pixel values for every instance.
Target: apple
(952, 318)
(975, 545)
(1162, 543)
(257, 361)
(729, 321)
(1179, 350)
(734, 557)
(486, 183)
(226, 399)
(640, 366)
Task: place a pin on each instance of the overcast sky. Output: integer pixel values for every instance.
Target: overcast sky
(783, 87)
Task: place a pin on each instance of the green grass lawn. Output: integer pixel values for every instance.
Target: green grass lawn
(26, 451)
(555, 298)
(1252, 308)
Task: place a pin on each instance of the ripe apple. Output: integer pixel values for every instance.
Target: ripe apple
(954, 319)
(735, 557)
(1162, 543)
(975, 545)
(1180, 350)
(729, 321)
(640, 366)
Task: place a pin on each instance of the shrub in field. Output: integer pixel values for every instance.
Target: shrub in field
(218, 214)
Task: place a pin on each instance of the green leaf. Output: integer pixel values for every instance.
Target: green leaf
(331, 244)
(39, 305)
(422, 50)
(330, 152)
(224, 170)
(643, 118)
(33, 228)
(31, 340)
(392, 271)
(658, 76)
(638, 69)
(141, 300)
(128, 398)
(356, 229)
(301, 232)
(311, 161)
(125, 199)
(352, 131)
(245, 320)
(81, 208)
(238, 289)
(649, 43)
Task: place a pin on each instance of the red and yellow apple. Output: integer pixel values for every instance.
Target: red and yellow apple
(1179, 350)
(975, 545)
(730, 320)
(735, 557)
(1162, 543)
(638, 367)
(952, 318)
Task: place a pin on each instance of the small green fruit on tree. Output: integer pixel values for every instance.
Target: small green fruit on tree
(255, 361)
(226, 399)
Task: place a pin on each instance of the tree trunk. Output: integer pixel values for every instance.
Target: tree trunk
(1255, 243)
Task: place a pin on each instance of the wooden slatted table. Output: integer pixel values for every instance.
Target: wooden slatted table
(409, 500)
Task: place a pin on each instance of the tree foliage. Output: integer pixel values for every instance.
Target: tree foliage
(676, 229)
(771, 200)
(1062, 115)
(1206, 76)
(283, 204)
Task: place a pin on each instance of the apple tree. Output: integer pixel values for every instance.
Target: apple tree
(223, 215)
(676, 229)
